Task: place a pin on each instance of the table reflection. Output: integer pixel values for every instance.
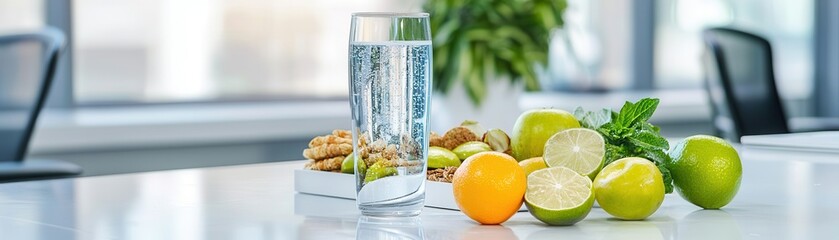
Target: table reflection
(557, 233)
(709, 224)
(621, 229)
(408, 228)
(493, 232)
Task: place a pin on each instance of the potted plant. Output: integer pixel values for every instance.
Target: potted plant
(477, 41)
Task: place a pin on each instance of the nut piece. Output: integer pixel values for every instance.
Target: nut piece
(453, 138)
(342, 133)
(329, 140)
(441, 174)
(338, 144)
(498, 140)
(327, 151)
(331, 164)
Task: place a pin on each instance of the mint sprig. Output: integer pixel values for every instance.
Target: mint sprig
(628, 134)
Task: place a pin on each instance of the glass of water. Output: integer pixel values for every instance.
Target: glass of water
(390, 94)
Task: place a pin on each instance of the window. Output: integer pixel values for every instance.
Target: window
(147, 51)
(788, 25)
(21, 15)
(591, 50)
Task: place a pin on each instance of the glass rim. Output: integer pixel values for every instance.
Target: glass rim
(391, 14)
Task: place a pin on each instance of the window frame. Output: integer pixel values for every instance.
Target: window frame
(826, 31)
(58, 15)
(643, 45)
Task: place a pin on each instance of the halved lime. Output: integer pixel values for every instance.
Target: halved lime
(558, 196)
(579, 149)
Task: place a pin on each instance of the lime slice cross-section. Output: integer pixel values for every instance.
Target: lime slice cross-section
(558, 196)
(578, 149)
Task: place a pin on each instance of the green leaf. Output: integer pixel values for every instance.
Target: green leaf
(649, 127)
(657, 156)
(464, 60)
(613, 153)
(610, 132)
(667, 178)
(479, 35)
(661, 160)
(514, 33)
(650, 140)
(442, 34)
(593, 120)
(632, 113)
(531, 83)
(475, 86)
(505, 11)
(579, 113)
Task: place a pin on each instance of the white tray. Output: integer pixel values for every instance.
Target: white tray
(341, 185)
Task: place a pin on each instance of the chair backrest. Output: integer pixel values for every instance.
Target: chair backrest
(741, 84)
(27, 65)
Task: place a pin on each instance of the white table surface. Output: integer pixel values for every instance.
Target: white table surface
(784, 195)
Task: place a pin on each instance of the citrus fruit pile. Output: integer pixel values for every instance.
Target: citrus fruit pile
(567, 162)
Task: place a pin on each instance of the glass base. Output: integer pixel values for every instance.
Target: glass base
(401, 210)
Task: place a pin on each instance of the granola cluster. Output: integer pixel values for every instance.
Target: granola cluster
(326, 153)
(452, 138)
(378, 151)
(441, 174)
(388, 155)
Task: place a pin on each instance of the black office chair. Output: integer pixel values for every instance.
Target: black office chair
(27, 64)
(740, 81)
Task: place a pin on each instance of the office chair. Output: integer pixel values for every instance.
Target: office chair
(27, 65)
(740, 82)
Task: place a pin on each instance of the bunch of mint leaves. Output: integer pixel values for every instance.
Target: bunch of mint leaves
(628, 134)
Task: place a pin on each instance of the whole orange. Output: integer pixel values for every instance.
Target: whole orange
(489, 187)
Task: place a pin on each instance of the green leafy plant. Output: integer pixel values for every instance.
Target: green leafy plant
(477, 40)
(628, 134)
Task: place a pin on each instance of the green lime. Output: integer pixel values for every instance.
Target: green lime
(470, 148)
(534, 127)
(579, 149)
(558, 196)
(378, 170)
(348, 165)
(440, 157)
(629, 188)
(532, 164)
(706, 171)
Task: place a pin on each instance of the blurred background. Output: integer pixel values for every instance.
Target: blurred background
(155, 84)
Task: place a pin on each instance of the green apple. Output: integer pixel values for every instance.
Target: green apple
(534, 127)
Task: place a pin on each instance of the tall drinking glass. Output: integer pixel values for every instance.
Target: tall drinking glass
(390, 92)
